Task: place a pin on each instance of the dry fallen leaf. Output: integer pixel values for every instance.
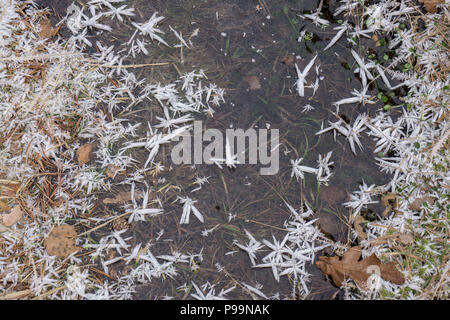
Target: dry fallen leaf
(358, 228)
(386, 201)
(10, 189)
(16, 295)
(289, 60)
(15, 143)
(390, 196)
(377, 41)
(405, 239)
(61, 241)
(430, 5)
(417, 204)
(358, 271)
(119, 198)
(122, 197)
(4, 206)
(47, 30)
(112, 170)
(120, 224)
(83, 153)
(12, 218)
(253, 82)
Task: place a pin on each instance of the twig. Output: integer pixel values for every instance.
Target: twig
(104, 224)
(129, 65)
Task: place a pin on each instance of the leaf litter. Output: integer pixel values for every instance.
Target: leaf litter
(13, 217)
(84, 154)
(61, 241)
(350, 266)
(47, 30)
(302, 242)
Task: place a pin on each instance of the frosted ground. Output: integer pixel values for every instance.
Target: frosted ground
(61, 94)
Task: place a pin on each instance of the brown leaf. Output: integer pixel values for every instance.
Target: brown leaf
(10, 189)
(16, 295)
(47, 30)
(112, 170)
(358, 228)
(417, 204)
(377, 42)
(83, 153)
(4, 206)
(289, 60)
(119, 198)
(61, 241)
(120, 224)
(122, 197)
(405, 238)
(358, 271)
(385, 200)
(390, 196)
(12, 218)
(253, 82)
(430, 5)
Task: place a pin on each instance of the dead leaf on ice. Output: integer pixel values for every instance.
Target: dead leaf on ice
(377, 41)
(358, 271)
(61, 241)
(358, 228)
(253, 82)
(122, 197)
(83, 153)
(12, 218)
(386, 201)
(47, 30)
(289, 60)
(430, 5)
(111, 171)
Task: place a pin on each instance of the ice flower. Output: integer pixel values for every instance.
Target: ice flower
(251, 248)
(342, 29)
(149, 28)
(276, 256)
(351, 132)
(139, 214)
(314, 17)
(211, 294)
(230, 159)
(300, 83)
(200, 181)
(188, 208)
(360, 199)
(359, 97)
(119, 12)
(307, 108)
(323, 170)
(298, 170)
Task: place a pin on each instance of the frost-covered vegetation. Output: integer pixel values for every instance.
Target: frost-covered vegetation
(411, 142)
(55, 100)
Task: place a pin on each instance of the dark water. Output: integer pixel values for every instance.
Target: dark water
(243, 42)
